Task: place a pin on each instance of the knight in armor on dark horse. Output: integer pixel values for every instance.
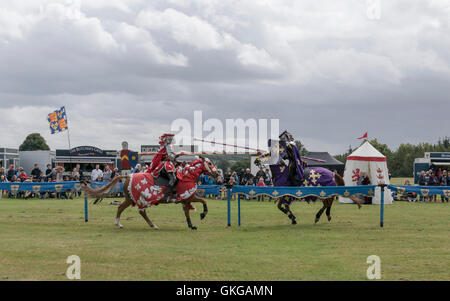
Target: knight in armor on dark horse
(290, 170)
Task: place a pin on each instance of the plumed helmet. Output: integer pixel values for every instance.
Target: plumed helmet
(166, 139)
(286, 136)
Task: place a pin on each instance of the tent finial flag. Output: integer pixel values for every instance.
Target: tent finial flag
(363, 136)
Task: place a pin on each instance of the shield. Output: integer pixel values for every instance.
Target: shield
(200, 193)
(424, 192)
(77, 186)
(59, 187)
(36, 188)
(15, 188)
(446, 193)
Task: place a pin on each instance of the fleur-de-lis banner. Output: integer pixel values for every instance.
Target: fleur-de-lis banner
(58, 121)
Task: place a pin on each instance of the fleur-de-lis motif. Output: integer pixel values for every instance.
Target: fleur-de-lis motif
(252, 192)
(275, 193)
(299, 193)
(323, 193)
(346, 193)
(425, 192)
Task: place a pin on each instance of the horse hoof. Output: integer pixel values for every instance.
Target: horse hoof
(119, 226)
(155, 227)
(194, 228)
(294, 222)
(317, 220)
(202, 216)
(329, 218)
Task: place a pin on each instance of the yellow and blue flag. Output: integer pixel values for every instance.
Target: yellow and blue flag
(58, 121)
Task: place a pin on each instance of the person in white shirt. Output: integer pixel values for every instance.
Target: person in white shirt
(96, 173)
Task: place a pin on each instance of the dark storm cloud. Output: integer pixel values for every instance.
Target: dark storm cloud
(126, 69)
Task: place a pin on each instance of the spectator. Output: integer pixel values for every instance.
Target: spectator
(444, 181)
(2, 180)
(115, 173)
(261, 184)
(14, 179)
(241, 174)
(96, 174)
(49, 171)
(235, 176)
(422, 182)
(261, 173)
(433, 181)
(58, 172)
(107, 174)
(22, 175)
(43, 194)
(247, 177)
(268, 177)
(137, 169)
(75, 174)
(2, 171)
(227, 175)
(35, 173)
(80, 171)
(11, 172)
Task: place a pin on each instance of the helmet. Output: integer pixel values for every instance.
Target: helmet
(286, 136)
(166, 139)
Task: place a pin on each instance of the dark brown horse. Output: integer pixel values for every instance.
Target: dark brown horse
(145, 201)
(327, 203)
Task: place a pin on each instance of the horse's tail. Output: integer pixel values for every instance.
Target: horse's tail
(338, 179)
(102, 191)
(340, 182)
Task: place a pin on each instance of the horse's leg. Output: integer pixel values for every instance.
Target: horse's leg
(319, 214)
(329, 204)
(188, 216)
(286, 210)
(143, 213)
(127, 203)
(196, 199)
(291, 215)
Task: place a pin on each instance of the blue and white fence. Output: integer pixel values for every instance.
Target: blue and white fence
(249, 191)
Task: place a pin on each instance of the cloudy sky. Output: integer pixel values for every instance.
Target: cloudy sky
(125, 69)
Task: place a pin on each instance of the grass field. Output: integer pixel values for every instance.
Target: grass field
(37, 236)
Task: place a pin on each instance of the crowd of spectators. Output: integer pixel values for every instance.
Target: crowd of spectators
(263, 178)
(439, 177)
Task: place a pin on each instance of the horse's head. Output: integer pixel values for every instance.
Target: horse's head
(209, 168)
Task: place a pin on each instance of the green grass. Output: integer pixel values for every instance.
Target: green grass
(37, 236)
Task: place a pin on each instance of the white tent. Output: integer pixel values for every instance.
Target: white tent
(369, 160)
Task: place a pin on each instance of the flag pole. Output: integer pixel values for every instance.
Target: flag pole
(68, 137)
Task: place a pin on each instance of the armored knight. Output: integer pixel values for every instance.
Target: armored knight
(297, 171)
(163, 164)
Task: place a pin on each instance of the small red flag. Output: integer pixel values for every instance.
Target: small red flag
(364, 136)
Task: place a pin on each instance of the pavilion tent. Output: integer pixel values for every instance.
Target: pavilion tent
(369, 160)
(330, 163)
